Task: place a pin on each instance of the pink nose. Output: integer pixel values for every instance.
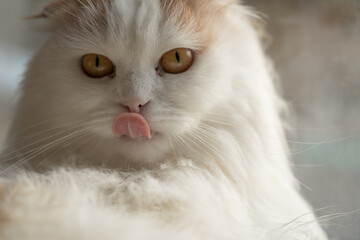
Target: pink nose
(134, 105)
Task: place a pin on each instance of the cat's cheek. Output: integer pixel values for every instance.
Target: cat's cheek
(103, 130)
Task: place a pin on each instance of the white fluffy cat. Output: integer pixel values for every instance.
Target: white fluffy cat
(150, 119)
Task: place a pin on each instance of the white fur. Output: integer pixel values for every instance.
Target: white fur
(217, 169)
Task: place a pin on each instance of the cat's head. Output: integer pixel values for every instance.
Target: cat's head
(136, 73)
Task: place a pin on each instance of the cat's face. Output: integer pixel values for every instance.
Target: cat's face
(138, 72)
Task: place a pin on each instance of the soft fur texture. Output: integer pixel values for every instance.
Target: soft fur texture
(217, 167)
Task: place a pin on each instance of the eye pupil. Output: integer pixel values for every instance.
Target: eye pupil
(97, 61)
(97, 66)
(177, 61)
(177, 56)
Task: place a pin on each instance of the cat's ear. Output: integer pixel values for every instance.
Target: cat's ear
(65, 8)
(54, 9)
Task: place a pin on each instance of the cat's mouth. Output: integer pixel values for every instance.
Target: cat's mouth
(132, 125)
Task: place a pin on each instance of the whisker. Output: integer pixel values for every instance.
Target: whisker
(38, 141)
(199, 146)
(23, 138)
(171, 146)
(75, 139)
(36, 152)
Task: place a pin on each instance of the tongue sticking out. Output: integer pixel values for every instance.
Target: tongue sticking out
(132, 125)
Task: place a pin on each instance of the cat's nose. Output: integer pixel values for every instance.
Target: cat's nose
(134, 105)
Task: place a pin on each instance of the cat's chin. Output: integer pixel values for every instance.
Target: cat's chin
(141, 140)
(142, 149)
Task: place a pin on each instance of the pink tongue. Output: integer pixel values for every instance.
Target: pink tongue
(132, 125)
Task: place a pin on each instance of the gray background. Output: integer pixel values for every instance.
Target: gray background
(315, 45)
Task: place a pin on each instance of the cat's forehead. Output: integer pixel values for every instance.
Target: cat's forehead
(170, 20)
(162, 21)
(142, 21)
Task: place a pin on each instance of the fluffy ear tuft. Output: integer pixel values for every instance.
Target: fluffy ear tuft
(54, 8)
(61, 8)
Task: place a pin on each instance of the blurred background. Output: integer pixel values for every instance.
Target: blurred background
(315, 46)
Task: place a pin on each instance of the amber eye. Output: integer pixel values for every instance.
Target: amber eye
(177, 61)
(97, 66)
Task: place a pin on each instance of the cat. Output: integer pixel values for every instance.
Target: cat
(150, 119)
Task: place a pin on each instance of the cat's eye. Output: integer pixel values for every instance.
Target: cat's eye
(177, 61)
(97, 66)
